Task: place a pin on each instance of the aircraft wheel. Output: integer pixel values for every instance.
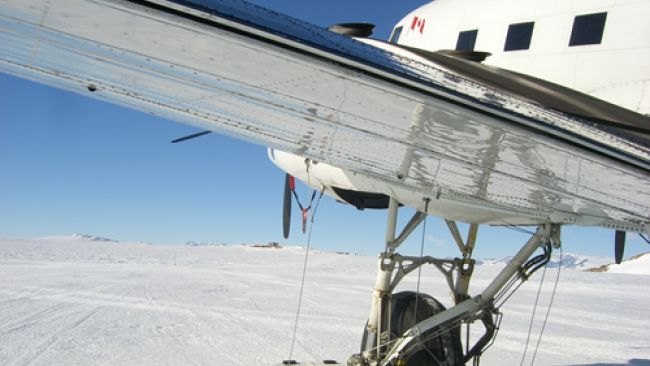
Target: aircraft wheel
(444, 349)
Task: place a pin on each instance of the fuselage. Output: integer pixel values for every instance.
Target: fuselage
(598, 47)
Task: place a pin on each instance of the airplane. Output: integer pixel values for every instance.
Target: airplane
(484, 113)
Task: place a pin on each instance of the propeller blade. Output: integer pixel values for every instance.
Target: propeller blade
(192, 136)
(286, 209)
(619, 246)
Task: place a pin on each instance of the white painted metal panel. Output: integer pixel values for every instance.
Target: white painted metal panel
(615, 70)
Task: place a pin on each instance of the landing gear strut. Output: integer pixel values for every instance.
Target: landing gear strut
(409, 328)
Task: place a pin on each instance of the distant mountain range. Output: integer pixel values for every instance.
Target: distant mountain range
(639, 264)
(203, 244)
(568, 260)
(78, 237)
(86, 237)
(93, 238)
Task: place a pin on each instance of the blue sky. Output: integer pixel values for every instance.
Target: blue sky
(70, 164)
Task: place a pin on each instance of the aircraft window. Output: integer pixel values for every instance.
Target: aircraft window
(394, 38)
(519, 36)
(588, 29)
(466, 40)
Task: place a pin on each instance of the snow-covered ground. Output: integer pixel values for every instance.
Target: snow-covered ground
(91, 301)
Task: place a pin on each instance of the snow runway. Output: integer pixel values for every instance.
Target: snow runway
(75, 301)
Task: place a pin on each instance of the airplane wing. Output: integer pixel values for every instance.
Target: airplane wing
(254, 74)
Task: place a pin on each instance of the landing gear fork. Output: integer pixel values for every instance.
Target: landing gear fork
(393, 267)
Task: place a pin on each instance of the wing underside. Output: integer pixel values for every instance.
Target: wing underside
(257, 75)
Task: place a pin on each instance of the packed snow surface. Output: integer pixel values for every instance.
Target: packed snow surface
(81, 301)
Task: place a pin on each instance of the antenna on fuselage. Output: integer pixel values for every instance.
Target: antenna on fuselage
(359, 30)
(192, 136)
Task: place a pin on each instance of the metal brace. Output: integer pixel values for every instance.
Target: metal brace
(473, 307)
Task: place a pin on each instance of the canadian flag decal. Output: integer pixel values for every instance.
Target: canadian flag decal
(418, 23)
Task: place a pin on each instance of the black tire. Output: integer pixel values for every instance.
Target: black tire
(443, 350)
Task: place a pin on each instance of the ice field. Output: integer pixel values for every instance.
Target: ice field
(82, 301)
